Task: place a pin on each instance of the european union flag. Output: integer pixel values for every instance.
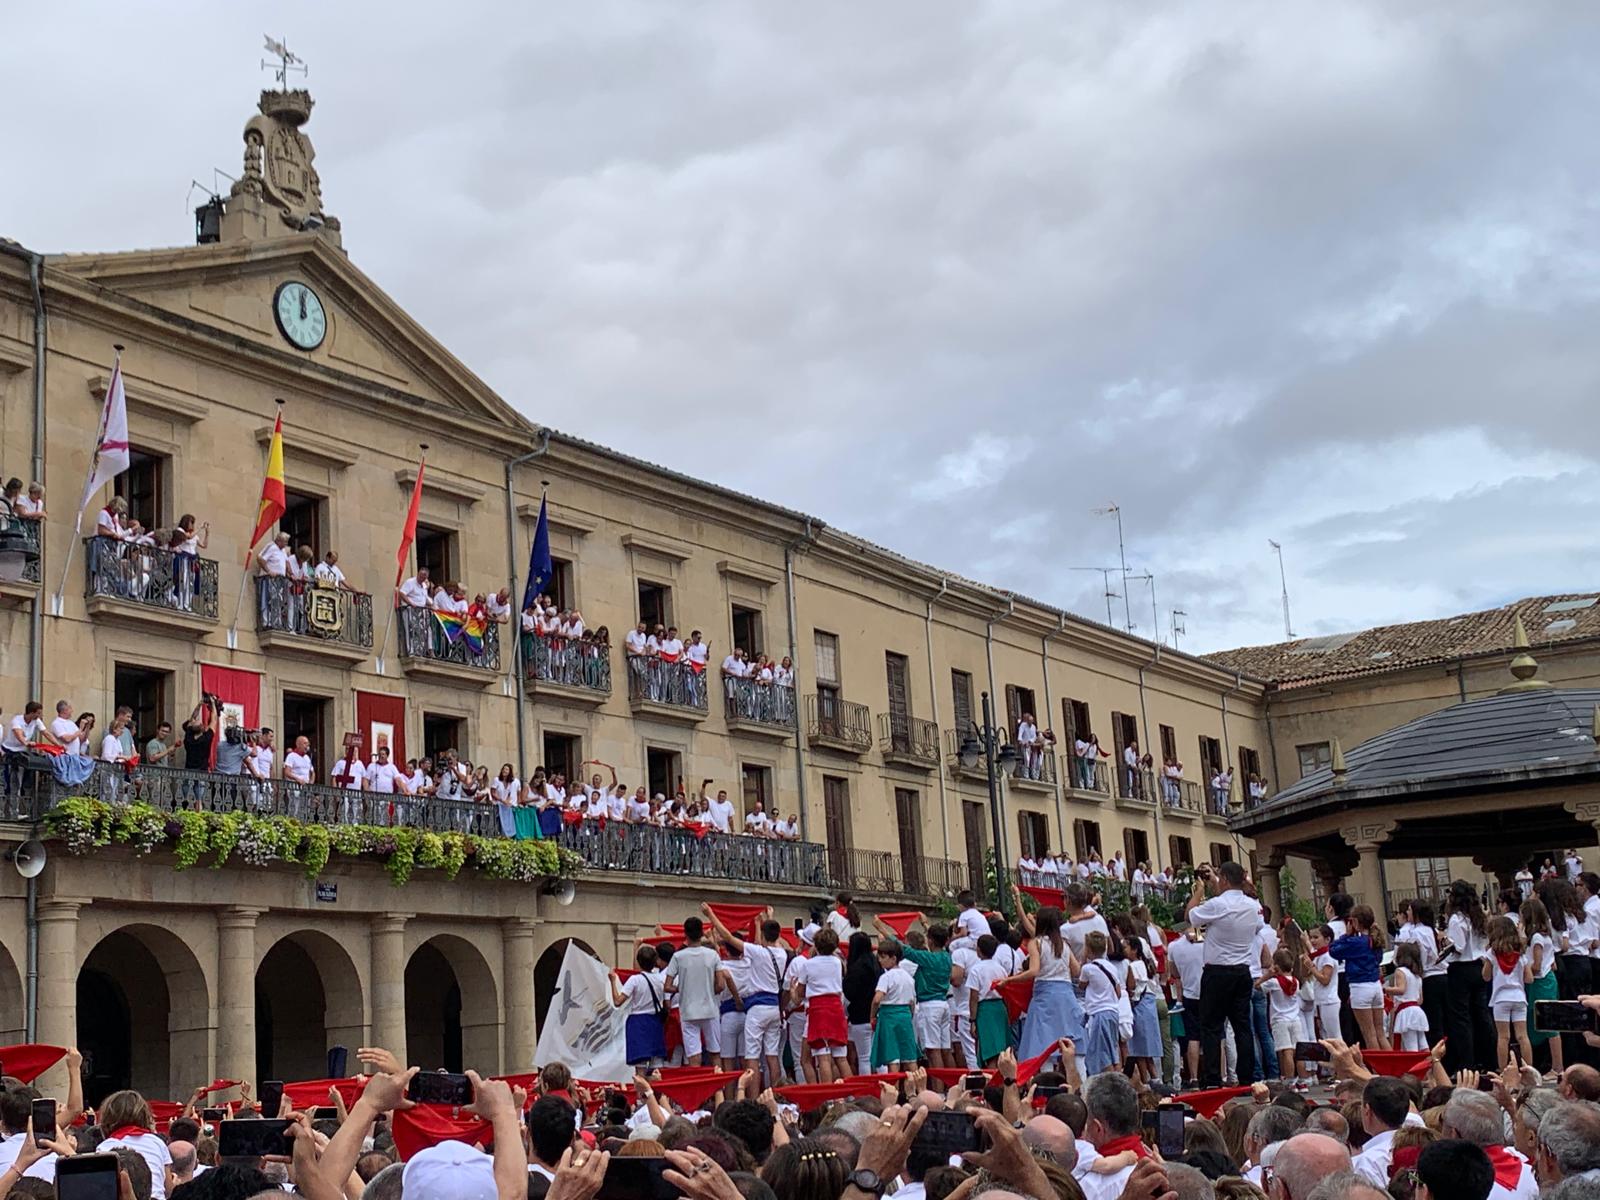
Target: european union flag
(541, 570)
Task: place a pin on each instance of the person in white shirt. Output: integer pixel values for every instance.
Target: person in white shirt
(1130, 770)
(720, 810)
(756, 822)
(384, 777)
(414, 591)
(1028, 743)
(1231, 920)
(1574, 866)
(65, 730)
(111, 747)
(297, 765)
(22, 730)
(1186, 960)
(1384, 1105)
(273, 558)
(328, 572)
(498, 605)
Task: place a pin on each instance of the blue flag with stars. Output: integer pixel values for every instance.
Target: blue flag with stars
(541, 570)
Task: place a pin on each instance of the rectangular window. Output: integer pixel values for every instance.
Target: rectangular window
(1181, 851)
(1085, 838)
(1433, 874)
(836, 823)
(1249, 763)
(1125, 731)
(1076, 715)
(441, 733)
(1314, 757)
(303, 520)
(1135, 848)
(757, 784)
(1210, 756)
(827, 654)
(563, 755)
(146, 693)
(1033, 834)
(908, 824)
(961, 690)
(141, 486)
(663, 770)
(747, 631)
(1019, 703)
(655, 604)
(560, 589)
(1221, 852)
(897, 670)
(307, 717)
(976, 835)
(436, 550)
(1169, 744)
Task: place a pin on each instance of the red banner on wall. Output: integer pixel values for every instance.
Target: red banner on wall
(240, 693)
(381, 720)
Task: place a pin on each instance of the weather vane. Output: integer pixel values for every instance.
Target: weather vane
(287, 61)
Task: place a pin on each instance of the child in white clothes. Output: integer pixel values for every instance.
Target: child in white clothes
(1324, 978)
(1541, 937)
(1405, 986)
(1283, 1010)
(1507, 971)
(1102, 1002)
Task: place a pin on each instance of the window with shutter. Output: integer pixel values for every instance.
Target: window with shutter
(961, 688)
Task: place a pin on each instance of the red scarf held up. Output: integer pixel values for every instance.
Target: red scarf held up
(1507, 962)
(1118, 1145)
(1288, 983)
(1507, 1166)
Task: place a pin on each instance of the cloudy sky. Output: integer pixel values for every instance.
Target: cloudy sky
(952, 275)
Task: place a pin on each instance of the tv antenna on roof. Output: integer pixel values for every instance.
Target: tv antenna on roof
(1288, 630)
(1106, 573)
(1178, 626)
(288, 61)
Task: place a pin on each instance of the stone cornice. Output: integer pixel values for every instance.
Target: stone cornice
(453, 486)
(154, 398)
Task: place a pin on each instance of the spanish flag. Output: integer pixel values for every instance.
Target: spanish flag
(273, 500)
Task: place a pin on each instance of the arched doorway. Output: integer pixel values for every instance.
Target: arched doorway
(452, 1007)
(144, 1014)
(308, 1000)
(547, 970)
(13, 1021)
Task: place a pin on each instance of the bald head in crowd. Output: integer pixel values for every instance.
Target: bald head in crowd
(1304, 1161)
(1328, 1121)
(1580, 1082)
(183, 1160)
(1046, 1136)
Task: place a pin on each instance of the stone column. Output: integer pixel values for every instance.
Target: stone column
(516, 935)
(1269, 861)
(389, 982)
(1365, 838)
(236, 993)
(58, 985)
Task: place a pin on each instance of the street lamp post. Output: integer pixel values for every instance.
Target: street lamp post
(990, 743)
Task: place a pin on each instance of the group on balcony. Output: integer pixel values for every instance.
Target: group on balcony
(1043, 869)
(759, 689)
(438, 621)
(559, 648)
(1086, 755)
(1033, 744)
(286, 577)
(150, 566)
(664, 669)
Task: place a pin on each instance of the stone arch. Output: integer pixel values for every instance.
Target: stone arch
(547, 970)
(13, 1020)
(308, 999)
(144, 1013)
(452, 1007)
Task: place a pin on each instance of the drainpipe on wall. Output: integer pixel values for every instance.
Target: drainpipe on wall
(933, 699)
(1144, 717)
(538, 451)
(1001, 858)
(1049, 709)
(794, 656)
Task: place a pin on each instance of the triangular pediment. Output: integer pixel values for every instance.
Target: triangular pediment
(368, 337)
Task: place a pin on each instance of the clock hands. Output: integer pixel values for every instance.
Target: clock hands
(302, 304)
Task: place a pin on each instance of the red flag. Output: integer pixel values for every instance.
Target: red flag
(29, 1061)
(1018, 994)
(807, 1096)
(429, 1124)
(1048, 897)
(313, 1093)
(409, 533)
(274, 500)
(900, 921)
(739, 918)
(692, 1091)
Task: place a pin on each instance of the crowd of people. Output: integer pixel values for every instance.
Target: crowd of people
(1043, 869)
(1141, 779)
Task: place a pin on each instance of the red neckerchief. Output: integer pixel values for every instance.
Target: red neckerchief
(1508, 962)
(127, 1131)
(1288, 983)
(1507, 1166)
(843, 912)
(1118, 1145)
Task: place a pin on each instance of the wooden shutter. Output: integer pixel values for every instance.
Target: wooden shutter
(898, 674)
(1013, 709)
(961, 690)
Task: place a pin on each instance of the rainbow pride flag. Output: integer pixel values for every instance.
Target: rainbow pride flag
(476, 627)
(452, 626)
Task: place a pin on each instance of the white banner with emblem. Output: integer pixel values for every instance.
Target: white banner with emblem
(583, 1029)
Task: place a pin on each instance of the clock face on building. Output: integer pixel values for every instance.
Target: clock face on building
(300, 315)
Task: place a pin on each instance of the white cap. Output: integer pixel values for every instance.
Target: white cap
(449, 1171)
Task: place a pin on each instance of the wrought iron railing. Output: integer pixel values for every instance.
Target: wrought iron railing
(569, 662)
(1219, 798)
(1089, 775)
(23, 534)
(672, 683)
(654, 850)
(1183, 795)
(885, 872)
(763, 703)
(422, 636)
(1035, 764)
(285, 605)
(150, 576)
(910, 737)
(831, 719)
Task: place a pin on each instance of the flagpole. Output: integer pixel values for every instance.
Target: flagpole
(394, 600)
(58, 601)
(249, 551)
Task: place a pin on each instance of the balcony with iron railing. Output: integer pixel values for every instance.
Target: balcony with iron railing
(835, 724)
(20, 561)
(671, 691)
(764, 709)
(311, 621)
(143, 586)
(977, 770)
(885, 873)
(428, 650)
(1088, 779)
(907, 741)
(566, 670)
(1036, 768)
(1180, 797)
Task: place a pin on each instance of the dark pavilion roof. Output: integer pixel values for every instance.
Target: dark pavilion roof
(1540, 736)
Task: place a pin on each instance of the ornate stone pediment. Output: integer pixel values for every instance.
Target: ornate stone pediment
(280, 186)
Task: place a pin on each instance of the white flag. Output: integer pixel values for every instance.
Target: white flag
(110, 457)
(583, 1029)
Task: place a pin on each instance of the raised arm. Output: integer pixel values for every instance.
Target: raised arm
(735, 943)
